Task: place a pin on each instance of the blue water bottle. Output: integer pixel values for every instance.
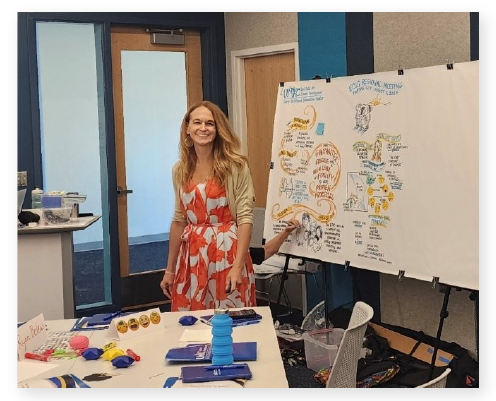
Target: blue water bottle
(222, 342)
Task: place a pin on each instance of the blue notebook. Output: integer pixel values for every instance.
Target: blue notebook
(245, 351)
(99, 318)
(196, 374)
(81, 324)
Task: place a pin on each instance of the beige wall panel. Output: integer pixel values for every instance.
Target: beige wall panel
(414, 40)
(416, 305)
(250, 30)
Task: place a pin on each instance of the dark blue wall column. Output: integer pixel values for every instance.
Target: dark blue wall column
(359, 43)
(339, 44)
(322, 51)
(474, 36)
(360, 60)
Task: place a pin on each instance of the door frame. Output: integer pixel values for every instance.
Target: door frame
(238, 82)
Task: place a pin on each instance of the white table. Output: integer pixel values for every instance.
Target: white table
(152, 370)
(44, 269)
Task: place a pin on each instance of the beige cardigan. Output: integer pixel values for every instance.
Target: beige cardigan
(240, 196)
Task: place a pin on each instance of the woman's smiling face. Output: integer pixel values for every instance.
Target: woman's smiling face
(201, 126)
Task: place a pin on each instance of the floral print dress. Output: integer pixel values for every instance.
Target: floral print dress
(207, 252)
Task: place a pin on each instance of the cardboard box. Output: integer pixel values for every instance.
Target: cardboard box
(406, 344)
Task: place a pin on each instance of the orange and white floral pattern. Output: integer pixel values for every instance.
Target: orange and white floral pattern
(207, 252)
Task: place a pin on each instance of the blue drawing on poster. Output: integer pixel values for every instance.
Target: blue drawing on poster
(320, 129)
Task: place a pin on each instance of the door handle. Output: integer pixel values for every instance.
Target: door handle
(122, 192)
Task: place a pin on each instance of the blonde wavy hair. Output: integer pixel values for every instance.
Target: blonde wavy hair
(227, 152)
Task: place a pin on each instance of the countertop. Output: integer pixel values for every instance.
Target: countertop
(80, 224)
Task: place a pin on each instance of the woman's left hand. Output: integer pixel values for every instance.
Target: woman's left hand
(233, 278)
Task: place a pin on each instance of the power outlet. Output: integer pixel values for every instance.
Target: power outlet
(22, 178)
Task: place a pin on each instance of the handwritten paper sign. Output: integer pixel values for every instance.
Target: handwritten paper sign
(136, 324)
(31, 335)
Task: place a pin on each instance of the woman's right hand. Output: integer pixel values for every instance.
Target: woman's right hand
(166, 283)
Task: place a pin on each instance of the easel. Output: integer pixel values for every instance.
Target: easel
(474, 296)
(285, 276)
(443, 315)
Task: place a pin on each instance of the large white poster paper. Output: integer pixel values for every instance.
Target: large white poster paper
(382, 170)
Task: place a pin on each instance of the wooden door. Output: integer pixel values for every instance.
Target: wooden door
(140, 289)
(262, 77)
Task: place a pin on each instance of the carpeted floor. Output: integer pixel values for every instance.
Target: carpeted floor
(89, 268)
(297, 374)
(88, 277)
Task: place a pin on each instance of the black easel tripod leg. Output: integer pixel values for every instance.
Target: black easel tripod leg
(444, 314)
(477, 324)
(284, 277)
(326, 295)
(474, 296)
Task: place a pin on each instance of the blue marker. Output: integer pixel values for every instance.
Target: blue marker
(246, 323)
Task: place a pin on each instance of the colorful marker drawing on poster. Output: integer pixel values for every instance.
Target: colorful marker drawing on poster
(310, 234)
(374, 186)
(363, 114)
(299, 155)
(295, 139)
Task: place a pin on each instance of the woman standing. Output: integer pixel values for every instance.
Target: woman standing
(209, 265)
